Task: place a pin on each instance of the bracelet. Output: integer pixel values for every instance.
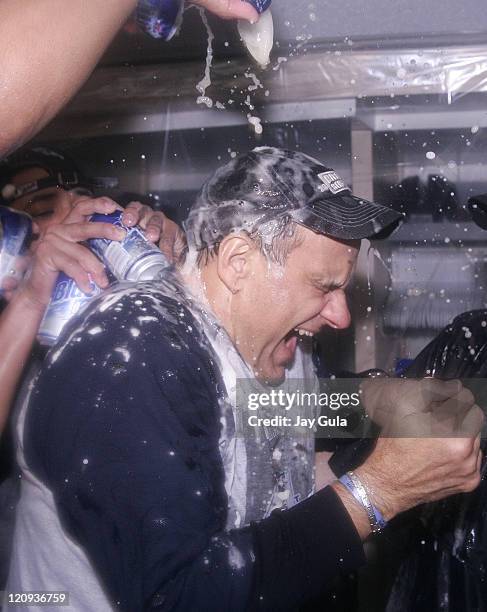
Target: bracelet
(353, 483)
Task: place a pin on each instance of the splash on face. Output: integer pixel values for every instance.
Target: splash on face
(277, 304)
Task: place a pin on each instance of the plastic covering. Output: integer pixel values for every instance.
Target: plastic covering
(449, 70)
(446, 568)
(307, 73)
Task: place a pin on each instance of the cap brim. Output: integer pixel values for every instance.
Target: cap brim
(347, 217)
(480, 200)
(478, 209)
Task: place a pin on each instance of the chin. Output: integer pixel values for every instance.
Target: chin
(272, 378)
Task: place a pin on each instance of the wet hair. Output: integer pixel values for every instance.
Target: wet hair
(275, 239)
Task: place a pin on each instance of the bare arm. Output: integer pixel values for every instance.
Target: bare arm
(57, 250)
(47, 50)
(18, 328)
(20, 321)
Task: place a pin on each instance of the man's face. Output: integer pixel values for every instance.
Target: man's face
(306, 293)
(47, 206)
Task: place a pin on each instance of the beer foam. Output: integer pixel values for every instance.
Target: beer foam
(258, 37)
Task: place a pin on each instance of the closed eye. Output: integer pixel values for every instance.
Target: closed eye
(327, 288)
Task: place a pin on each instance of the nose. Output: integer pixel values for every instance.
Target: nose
(335, 312)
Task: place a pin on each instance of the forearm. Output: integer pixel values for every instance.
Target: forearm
(48, 49)
(19, 323)
(279, 563)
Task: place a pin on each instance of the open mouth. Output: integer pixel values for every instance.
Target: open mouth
(289, 343)
(298, 332)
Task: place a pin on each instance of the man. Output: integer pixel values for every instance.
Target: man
(40, 73)
(139, 488)
(51, 188)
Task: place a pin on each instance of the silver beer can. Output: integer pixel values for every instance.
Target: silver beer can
(15, 238)
(134, 258)
(67, 301)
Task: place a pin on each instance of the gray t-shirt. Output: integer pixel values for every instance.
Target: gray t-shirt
(265, 467)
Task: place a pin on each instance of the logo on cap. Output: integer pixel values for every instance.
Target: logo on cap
(332, 182)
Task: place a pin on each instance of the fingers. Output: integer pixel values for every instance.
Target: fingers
(74, 260)
(132, 213)
(436, 390)
(157, 228)
(75, 265)
(472, 423)
(453, 409)
(79, 232)
(173, 241)
(58, 250)
(84, 207)
(151, 221)
(229, 9)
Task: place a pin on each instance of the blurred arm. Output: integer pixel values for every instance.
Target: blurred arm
(48, 48)
(18, 328)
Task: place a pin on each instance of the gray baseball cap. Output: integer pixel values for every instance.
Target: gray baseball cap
(267, 183)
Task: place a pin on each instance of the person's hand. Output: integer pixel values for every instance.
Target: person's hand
(404, 472)
(229, 9)
(57, 250)
(10, 284)
(419, 407)
(157, 227)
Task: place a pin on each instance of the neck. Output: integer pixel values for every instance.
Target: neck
(205, 285)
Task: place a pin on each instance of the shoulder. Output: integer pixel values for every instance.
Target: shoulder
(134, 361)
(131, 318)
(134, 341)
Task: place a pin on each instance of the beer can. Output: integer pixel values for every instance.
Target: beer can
(134, 258)
(163, 18)
(15, 238)
(160, 18)
(66, 302)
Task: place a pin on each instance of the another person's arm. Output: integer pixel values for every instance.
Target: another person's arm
(20, 320)
(57, 250)
(48, 48)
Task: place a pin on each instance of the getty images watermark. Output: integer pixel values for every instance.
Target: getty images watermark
(297, 404)
(330, 408)
(361, 408)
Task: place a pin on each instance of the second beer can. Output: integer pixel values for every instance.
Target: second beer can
(67, 300)
(15, 237)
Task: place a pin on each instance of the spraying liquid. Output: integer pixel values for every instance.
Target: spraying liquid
(255, 122)
(258, 37)
(206, 80)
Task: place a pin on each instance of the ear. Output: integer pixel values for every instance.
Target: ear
(234, 260)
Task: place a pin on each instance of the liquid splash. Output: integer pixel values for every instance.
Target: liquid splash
(205, 82)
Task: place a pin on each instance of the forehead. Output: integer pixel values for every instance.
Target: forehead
(28, 175)
(323, 257)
